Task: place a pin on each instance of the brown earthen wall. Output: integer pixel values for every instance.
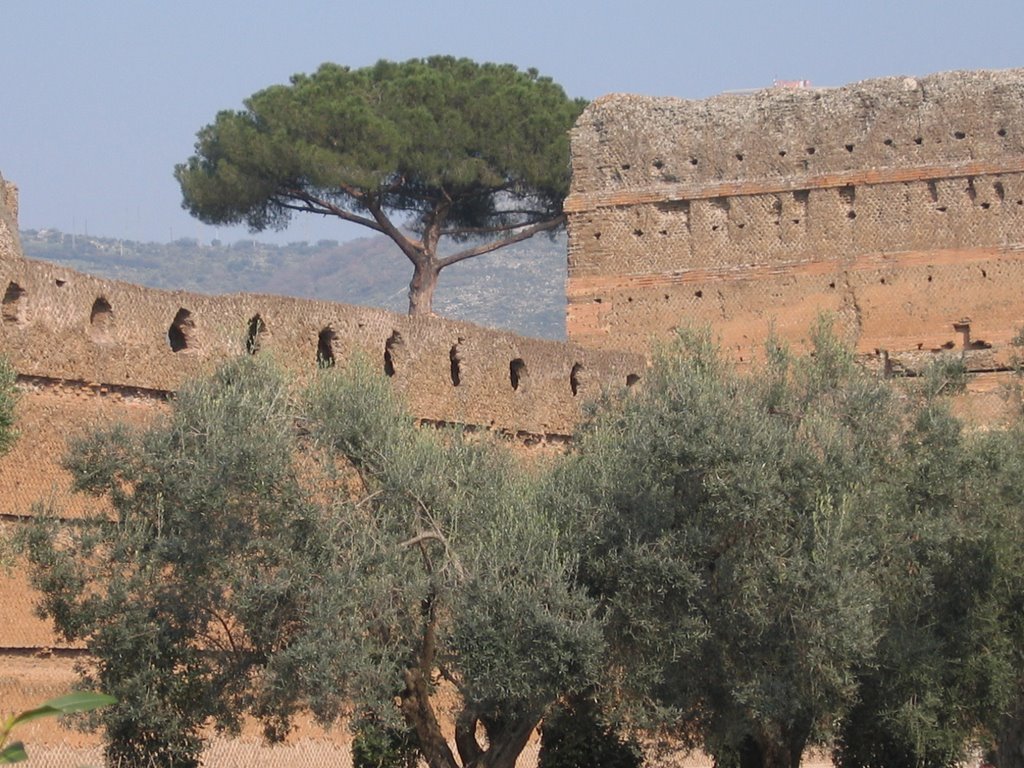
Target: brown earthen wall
(10, 247)
(89, 351)
(896, 204)
(61, 325)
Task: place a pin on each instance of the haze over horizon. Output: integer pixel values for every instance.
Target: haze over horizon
(100, 100)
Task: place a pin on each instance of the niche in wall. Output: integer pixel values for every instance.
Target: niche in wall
(325, 347)
(15, 302)
(391, 348)
(101, 319)
(517, 373)
(253, 334)
(180, 336)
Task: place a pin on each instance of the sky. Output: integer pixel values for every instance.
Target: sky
(100, 99)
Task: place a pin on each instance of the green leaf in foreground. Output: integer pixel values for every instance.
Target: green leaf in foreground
(79, 701)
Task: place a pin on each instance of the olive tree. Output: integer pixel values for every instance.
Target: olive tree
(190, 577)
(737, 523)
(994, 569)
(418, 151)
(8, 397)
(271, 552)
(455, 572)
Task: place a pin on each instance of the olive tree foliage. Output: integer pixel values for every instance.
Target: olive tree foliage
(185, 587)
(270, 554)
(920, 697)
(994, 571)
(8, 397)
(737, 529)
(455, 570)
(8, 433)
(418, 151)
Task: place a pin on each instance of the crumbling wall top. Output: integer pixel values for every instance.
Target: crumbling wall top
(629, 142)
(10, 245)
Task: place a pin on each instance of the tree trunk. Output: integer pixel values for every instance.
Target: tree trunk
(504, 744)
(783, 749)
(504, 748)
(1010, 737)
(419, 714)
(421, 288)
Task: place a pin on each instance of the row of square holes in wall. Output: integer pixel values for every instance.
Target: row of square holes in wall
(847, 196)
(180, 336)
(659, 164)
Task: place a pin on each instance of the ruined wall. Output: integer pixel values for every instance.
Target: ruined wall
(89, 351)
(10, 248)
(896, 204)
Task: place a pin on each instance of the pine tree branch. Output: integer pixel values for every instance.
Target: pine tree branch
(526, 234)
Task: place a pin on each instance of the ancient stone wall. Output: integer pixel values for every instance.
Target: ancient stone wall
(89, 351)
(896, 204)
(62, 325)
(10, 247)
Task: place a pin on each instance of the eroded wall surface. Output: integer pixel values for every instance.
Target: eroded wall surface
(897, 205)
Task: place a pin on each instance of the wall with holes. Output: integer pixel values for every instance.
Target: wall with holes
(59, 324)
(896, 204)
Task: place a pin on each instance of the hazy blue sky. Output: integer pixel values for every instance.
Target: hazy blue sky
(99, 99)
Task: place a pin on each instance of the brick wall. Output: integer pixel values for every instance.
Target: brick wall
(897, 205)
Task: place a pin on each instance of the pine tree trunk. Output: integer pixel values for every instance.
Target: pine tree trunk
(421, 289)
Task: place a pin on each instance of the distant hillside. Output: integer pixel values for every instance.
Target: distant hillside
(521, 288)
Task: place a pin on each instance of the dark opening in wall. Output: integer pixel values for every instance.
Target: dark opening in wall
(101, 312)
(919, 141)
(391, 347)
(1001, 132)
(849, 147)
(972, 193)
(959, 135)
(101, 318)
(574, 378)
(933, 190)
(1000, 190)
(253, 333)
(455, 360)
(632, 379)
(13, 308)
(180, 334)
(325, 347)
(517, 372)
